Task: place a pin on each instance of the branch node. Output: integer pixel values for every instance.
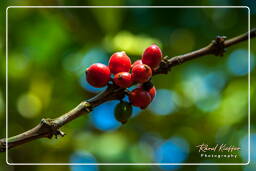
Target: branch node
(49, 124)
(164, 66)
(218, 46)
(87, 106)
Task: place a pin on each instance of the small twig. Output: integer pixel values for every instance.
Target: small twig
(216, 47)
(48, 128)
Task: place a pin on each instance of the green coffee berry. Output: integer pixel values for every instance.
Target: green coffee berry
(123, 112)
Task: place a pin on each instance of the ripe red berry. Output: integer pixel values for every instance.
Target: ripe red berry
(98, 75)
(141, 73)
(123, 79)
(152, 56)
(119, 62)
(149, 87)
(140, 98)
(137, 62)
(152, 92)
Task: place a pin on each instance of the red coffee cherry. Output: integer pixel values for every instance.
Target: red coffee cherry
(149, 87)
(119, 62)
(152, 92)
(140, 98)
(137, 62)
(152, 56)
(123, 79)
(141, 73)
(98, 75)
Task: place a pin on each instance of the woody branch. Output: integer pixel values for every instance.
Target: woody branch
(48, 128)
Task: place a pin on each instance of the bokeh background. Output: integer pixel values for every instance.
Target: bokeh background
(202, 101)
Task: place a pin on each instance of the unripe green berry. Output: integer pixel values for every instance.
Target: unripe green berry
(123, 112)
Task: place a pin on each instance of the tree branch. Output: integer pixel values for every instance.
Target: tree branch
(216, 47)
(48, 128)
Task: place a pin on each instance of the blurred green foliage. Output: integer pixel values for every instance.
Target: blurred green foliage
(203, 101)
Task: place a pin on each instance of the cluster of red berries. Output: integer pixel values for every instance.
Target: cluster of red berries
(126, 74)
